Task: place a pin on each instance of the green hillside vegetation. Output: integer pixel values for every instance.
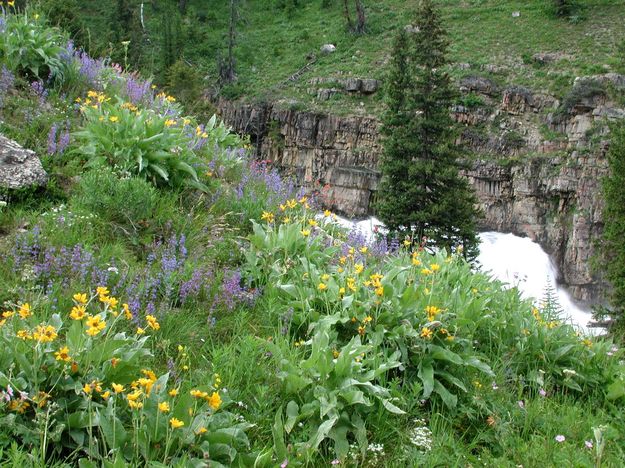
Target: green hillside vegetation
(274, 42)
(168, 300)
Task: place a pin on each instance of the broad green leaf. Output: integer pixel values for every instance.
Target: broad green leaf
(426, 374)
(449, 399)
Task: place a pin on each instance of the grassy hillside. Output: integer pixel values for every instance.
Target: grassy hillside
(274, 42)
(272, 45)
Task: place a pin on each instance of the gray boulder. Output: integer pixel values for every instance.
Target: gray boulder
(19, 167)
(328, 48)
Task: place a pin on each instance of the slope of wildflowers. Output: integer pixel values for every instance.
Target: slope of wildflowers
(169, 301)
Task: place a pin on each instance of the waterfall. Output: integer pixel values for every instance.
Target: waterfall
(520, 262)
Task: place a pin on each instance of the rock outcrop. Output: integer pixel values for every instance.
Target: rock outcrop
(537, 169)
(19, 167)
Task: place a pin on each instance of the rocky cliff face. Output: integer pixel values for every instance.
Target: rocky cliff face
(537, 168)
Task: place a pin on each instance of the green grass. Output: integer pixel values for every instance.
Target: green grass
(272, 46)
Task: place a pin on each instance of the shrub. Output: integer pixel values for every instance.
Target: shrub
(128, 202)
(582, 90)
(31, 48)
(138, 141)
(77, 382)
(453, 328)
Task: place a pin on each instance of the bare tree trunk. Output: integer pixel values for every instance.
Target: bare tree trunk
(227, 69)
(350, 26)
(360, 11)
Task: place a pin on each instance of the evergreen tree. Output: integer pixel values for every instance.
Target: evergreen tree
(421, 188)
(614, 219)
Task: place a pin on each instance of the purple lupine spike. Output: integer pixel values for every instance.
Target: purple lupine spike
(52, 139)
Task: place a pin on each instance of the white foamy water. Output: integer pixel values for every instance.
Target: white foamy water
(520, 262)
(516, 261)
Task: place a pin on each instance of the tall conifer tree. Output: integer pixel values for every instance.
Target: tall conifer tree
(614, 219)
(421, 188)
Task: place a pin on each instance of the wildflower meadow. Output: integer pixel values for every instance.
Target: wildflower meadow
(169, 300)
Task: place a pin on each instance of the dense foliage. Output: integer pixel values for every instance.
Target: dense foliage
(614, 219)
(421, 190)
(152, 323)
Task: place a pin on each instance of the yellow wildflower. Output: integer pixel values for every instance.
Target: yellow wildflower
(432, 312)
(127, 312)
(25, 310)
(45, 333)
(358, 268)
(214, 401)
(426, 333)
(312, 222)
(198, 393)
(163, 407)
(113, 118)
(364, 249)
(305, 232)
(322, 287)
(176, 423)
(135, 404)
(201, 430)
(117, 388)
(24, 335)
(63, 354)
(327, 213)
(80, 298)
(267, 216)
(170, 123)
(173, 392)
(140, 331)
(152, 323)
(435, 267)
(78, 312)
(426, 271)
(105, 395)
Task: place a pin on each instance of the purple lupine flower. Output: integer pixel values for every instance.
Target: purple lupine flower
(89, 68)
(7, 80)
(138, 90)
(40, 91)
(52, 139)
(63, 140)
